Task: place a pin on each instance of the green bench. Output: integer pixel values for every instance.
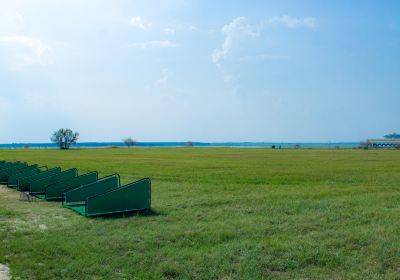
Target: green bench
(86, 194)
(24, 183)
(79, 195)
(55, 191)
(5, 164)
(90, 201)
(9, 170)
(38, 186)
(8, 164)
(28, 171)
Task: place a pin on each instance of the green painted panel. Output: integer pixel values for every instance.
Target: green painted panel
(23, 183)
(20, 171)
(55, 191)
(39, 186)
(8, 164)
(31, 170)
(4, 163)
(81, 209)
(79, 195)
(6, 172)
(131, 197)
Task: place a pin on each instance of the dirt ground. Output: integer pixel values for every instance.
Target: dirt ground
(4, 272)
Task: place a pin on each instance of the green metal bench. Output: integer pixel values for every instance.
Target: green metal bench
(24, 183)
(38, 187)
(28, 171)
(11, 169)
(85, 194)
(55, 191)
(135, 196)
(4, 164)
(79, 195)
(7, 164)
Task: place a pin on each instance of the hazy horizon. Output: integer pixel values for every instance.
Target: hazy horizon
(216, 142)
(179, 70)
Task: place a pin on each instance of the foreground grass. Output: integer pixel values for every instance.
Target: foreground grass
(218, 214)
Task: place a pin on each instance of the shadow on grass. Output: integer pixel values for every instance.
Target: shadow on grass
(145, 213)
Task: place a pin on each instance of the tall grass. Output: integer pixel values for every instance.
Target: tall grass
(219, 213)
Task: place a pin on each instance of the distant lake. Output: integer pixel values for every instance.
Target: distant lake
(343, 145)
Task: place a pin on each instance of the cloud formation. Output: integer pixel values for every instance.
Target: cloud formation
(138, 22)
(11, 22)
(27, 50)
(164, 78)
(12, 15)
(169, 31)
(239, 43)
(293, 22)
(38, 47)
(233, 31)
(239, 29)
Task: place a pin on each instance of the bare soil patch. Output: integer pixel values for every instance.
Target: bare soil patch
(4, 272)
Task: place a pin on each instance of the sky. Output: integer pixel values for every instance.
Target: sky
(201, 70)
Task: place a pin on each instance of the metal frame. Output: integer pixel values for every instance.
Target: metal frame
(6, 172)
(66, 174)
(25, 173)
(130, 185)
(46, 173)
(69, 188)
(64, 203)
(98, 196)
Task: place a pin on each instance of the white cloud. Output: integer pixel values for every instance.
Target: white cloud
(293, 22)
(233, 31)
(240, 37)
(138, 22)
(11, 15)
(239, 30)
(169, 31)
(162, 44)
(164, 78)
(33, 50)
(36, 45)
(11, 22)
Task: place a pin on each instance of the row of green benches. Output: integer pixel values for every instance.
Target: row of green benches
(86, 194)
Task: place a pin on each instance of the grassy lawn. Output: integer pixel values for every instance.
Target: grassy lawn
(218, 214)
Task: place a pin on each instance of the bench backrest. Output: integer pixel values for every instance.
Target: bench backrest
(30, 170)
(55, 191)
(79, 195)
(132, 197)
(23, 183)
(39, 186)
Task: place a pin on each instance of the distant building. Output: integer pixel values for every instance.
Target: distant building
(383, 143)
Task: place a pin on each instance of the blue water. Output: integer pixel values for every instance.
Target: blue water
(343, 145)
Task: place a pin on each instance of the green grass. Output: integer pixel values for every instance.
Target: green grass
(218, 214)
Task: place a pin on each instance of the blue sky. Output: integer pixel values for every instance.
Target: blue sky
(177, 70)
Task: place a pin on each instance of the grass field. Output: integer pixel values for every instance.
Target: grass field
(218, 214)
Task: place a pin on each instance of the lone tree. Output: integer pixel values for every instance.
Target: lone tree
(393, 135)
(129, 141)
(64, 137)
